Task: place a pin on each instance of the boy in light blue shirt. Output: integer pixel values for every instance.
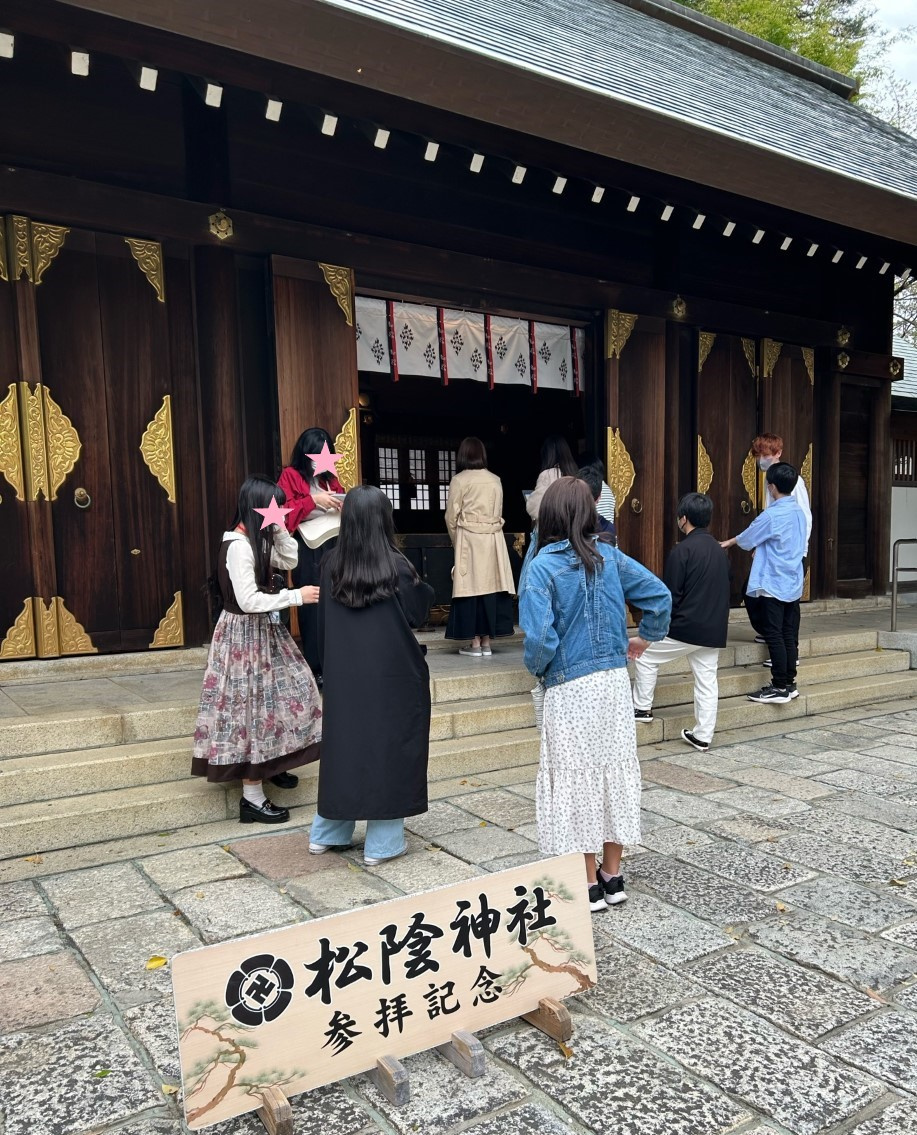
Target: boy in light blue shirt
(778, 537)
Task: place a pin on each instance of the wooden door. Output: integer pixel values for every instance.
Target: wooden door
(787, 409)
(726, 426)
(317, 378)
(96, 440)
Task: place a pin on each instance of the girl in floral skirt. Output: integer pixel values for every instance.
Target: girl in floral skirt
(260, 712)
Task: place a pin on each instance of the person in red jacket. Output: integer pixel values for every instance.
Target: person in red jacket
(305, 492)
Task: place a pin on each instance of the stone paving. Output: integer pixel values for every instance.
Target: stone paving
(761, 980)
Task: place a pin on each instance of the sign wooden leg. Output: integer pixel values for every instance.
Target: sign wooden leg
(466, 1052)
(552, 1018)
(391, 1078)
(275, 1112)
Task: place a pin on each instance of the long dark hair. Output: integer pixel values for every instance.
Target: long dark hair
(310, 441)
(568, 513)
(471, 455)
(363, 565)
(555, 454)
(257, 492)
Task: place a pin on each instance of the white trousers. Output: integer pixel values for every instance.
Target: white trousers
(703, 662)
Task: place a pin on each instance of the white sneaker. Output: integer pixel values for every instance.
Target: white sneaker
(472, 651)
(321, 848)
(386, 859)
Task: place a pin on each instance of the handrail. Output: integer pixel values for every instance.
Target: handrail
(895, 570)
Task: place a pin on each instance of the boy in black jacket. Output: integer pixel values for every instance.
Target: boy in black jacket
(697, 574)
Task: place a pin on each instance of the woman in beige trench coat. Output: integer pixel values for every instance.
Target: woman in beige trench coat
(482, 579)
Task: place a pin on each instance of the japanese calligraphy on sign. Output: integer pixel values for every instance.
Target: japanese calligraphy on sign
(316, 1002)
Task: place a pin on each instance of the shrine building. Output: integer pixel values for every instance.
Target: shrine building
(406, 223)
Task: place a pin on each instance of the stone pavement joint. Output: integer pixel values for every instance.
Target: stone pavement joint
(761, 979)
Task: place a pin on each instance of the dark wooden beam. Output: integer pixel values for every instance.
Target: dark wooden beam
(400, 264)
(313, 36)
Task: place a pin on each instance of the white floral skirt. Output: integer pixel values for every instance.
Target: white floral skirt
(588, 786)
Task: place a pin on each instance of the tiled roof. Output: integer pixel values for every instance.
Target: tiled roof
(905, 387)
(628, 55)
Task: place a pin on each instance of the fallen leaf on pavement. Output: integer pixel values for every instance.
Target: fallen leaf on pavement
(34, 859)
(482, 824)
(565, 1049)
(157, 961)
(169, 1089)
(102, 1073)
(875, 996)
(781, 906)
(198, 894)
(897, 882)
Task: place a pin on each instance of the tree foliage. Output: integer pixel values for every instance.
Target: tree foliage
(831, 32)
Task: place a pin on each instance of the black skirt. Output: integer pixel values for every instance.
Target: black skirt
(308, 572)
(487, 616)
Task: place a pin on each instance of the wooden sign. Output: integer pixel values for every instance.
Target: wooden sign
(313, 1003)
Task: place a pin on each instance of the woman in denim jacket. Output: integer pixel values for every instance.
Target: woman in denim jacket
(572, 609)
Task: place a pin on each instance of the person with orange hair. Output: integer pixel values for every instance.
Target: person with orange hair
(768, 451)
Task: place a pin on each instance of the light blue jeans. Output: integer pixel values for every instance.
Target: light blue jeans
(384, 838)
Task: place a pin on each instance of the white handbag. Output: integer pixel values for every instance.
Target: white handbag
(320, 528)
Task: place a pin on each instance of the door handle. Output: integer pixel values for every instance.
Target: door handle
(746, 507)
(82, 499)
(636, 506)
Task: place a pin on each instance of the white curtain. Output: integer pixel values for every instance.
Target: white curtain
(372, 335)
(554, 354)
(466, 351)
(416, 339)
(509, 342)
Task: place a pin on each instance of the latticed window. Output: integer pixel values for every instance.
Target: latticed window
(904, 468)
(415, 472)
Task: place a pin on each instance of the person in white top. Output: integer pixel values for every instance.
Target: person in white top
(768, 451)
(260, 711)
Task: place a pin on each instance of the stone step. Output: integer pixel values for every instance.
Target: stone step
(815, 669)
(33, 826)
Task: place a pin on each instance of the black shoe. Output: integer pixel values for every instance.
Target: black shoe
(695, 742)
(614, 890)
(771, 695)
(597, 896)
(767, 662)
(266, 813)
(760, 638)
(320, 681)
(643, 716)
(285, 780)
(791, 690)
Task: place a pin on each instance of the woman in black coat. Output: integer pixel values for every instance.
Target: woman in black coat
(376, 705)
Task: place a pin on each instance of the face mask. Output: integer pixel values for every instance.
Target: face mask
(764, 463)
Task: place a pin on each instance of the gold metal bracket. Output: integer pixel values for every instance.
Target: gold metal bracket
(618, 328)
(158, 450)
(171, 629)
(148, 254)
(620, 467)
(347, 445)
(704, 467)
(705, 346)
(340, 282)
(20, 638)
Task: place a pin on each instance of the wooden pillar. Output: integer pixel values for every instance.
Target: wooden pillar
(825, 505)
(223, 424)
(880, 487)
(680, 426)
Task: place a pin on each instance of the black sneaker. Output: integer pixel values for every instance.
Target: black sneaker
(759, 638)
(695, 742)
(614, 890)
(597, 896)
(771, 695)
(767, 662)
(643, 716)
(791, 690)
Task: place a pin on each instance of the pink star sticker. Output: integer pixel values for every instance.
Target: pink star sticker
(326, 461)
(273, 514)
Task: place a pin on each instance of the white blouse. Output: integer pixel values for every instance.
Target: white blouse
(240, 564)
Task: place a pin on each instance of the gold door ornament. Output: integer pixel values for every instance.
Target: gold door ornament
(171, 629)
(619, 466)
(20, 638)
(49, 443)
(340, 283)
(57, 631)
(808, 357)
(705, 346)
(11, 465)
(148, 254)
(748, 346)
(770, 353)
(29, 248)
(704, 467)
(618, 328)
(347, 445)
(750, 480)
(158, 449)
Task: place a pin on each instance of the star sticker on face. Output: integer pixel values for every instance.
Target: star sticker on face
(273, 514)
(325, 462)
